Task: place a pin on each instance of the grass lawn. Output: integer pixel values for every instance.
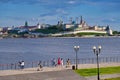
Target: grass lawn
(113, 79)
(93, 71)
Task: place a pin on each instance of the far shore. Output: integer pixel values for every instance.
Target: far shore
(87, 37)
(67, 37)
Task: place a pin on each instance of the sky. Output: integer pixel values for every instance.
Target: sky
(94, 12)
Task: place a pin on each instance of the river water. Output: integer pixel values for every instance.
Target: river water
(14, 50)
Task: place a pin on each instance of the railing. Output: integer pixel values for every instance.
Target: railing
(48, 63)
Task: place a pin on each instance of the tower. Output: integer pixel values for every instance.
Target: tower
(81, 21)
(109, 30)
(26, 23)
(38, 26)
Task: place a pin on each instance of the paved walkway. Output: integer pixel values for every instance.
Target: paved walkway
(51, 75)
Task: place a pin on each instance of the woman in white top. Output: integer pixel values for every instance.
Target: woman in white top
(61, 62)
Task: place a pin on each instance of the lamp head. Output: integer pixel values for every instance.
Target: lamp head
(94, 49)
(76, 48)
(99, 47)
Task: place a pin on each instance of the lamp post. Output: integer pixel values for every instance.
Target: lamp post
(76, 48)
(97, 52)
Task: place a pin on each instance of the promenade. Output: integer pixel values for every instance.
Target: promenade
(51, 73)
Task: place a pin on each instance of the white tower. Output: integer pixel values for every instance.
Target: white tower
(38, 26)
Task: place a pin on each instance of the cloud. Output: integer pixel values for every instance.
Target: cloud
(49, 2)
(57, 12)
(111, 20)
(53, 15)
(107, 6)
(61, 11)
(47, 14)
(71, 2)
(20, 18)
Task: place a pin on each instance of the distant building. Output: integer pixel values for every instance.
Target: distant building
(109, 30)
(31, 28)
(82, 25)
(99, 28)
(1, 29)
(67, 26)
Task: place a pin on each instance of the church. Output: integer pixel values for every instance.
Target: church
(77, 26)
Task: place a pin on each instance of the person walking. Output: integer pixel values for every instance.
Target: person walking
(40, 66)
(19, 64)
(68, 63)
(59, 62)
(53, 62)
(62, 62)
(22, 65)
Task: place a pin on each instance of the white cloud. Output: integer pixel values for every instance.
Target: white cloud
(71, 2)
(61, 11)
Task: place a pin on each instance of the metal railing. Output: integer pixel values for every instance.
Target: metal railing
(48, 63)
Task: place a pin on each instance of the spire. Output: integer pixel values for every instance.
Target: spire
(81, 20)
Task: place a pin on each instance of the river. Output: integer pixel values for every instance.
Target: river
(34, 49)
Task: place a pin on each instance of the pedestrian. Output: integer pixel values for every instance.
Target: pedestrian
(22, 64)
(62, 62)
(19, 64)
(40, 68)
(59, 62)
(53, 62)
(68, 63)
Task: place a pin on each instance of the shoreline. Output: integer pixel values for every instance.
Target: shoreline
(66, 37)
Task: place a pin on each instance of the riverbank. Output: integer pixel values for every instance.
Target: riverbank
(63, 37)
(47, 69)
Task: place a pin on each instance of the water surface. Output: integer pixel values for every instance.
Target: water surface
(13, 50)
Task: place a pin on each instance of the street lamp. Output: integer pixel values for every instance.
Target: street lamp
(76, 48)
(97, 52)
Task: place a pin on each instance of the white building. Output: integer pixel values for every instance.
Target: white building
(82, 25)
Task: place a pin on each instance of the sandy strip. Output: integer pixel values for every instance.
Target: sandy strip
(46, 69)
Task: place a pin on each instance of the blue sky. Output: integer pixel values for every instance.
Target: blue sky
(94, 12)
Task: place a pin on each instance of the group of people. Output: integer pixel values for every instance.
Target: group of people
(60, 62)
(21, 64)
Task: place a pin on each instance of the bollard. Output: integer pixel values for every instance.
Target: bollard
(73, 67)
(12, 66)
(15, 65)
(32, 64)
